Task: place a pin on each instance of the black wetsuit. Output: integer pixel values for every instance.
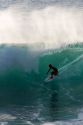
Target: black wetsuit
(55, 71)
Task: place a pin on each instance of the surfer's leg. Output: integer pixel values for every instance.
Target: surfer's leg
(52, 73)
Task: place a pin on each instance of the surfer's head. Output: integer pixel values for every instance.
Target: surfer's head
(50, 65)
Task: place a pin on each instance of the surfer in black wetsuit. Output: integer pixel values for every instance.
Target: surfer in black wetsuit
(54, 72)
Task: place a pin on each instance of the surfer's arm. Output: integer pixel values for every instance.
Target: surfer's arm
(48, 70)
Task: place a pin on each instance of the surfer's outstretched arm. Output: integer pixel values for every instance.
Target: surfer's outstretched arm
(48, 70)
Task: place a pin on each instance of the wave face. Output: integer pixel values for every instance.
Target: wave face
(23, 90)
(34, 33)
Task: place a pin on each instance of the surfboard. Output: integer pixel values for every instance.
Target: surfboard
(49, 79)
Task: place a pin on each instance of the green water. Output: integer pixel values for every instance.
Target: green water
(25, 92)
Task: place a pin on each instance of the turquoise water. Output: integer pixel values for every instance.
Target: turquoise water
(33, 34)
(26, 98)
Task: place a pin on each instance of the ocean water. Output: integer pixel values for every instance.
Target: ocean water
(33, 34)
(25, 98)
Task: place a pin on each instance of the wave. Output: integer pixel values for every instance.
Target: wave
(41, 29)
(21, 71)
(22, 86)
(31, 39)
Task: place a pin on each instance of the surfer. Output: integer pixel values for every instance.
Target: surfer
(54, 72)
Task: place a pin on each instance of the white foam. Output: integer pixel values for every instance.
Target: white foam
(47, 28)
(4, 117)
(48, 123)
(3, 123)
(64, 123)
(77, 121)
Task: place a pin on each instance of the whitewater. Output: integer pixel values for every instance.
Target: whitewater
(34, 34)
